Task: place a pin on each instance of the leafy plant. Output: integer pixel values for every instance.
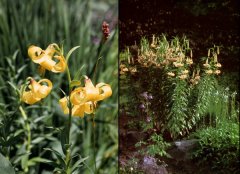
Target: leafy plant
(155, 146)
(219, 147)
(181, 91)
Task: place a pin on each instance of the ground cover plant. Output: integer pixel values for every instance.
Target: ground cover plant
(176, 98)
(54, 56)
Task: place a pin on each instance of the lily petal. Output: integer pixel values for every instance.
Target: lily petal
(105, 90)
(48, 63)
(78, 96)
(37, 91)
(45, 58)
(78, 110)
(29, 98)
(89, 107)
(60, 66)
(44, 90)
(63, 104)
(36, 54)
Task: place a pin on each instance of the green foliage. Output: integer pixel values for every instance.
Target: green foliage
(70, 23)
(219, 146)
(205, 89)
(177, 121)
(183, 94)
(5, 165)
(154, 146)
(158, 146)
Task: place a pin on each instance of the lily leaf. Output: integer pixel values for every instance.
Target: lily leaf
(75, 83)
(77, 75)
(70, 52)
(5, 165)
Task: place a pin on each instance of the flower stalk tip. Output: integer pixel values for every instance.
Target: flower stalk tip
(105, 30)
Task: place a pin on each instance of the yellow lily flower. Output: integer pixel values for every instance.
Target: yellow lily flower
(218, 65)
(84, 99)
(178, 64)
(45, 58)
(37, 91)
(90, 92)
(171, 74)
(209, 71)
(183, 76)
(189, 61)
(185, 71)
(77, 110)
(217, 72)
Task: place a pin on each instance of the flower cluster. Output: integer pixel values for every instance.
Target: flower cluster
(211, 64)
(161, 53)
(84, 99)
(123, 69)
(195, 78)
(50, 59)
(174, 57)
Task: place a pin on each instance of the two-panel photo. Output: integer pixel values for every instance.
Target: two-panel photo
(119, 87)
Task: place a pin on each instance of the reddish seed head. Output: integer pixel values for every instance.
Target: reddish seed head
(105, 30)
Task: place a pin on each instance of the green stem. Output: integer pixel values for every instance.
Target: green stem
(99, 51)
(28, 129)
(94, 147)
(68, 151)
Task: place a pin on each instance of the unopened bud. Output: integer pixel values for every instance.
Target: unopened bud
(218, 50)
(208, 53)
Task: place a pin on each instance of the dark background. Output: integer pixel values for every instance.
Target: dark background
(205, 23)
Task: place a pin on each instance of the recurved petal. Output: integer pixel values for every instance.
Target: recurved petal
(34, 86)
(63, 104)
(78, 110)
(50, 50)
(47, 62)
(60, 66)
(92, 94)
(105, 90)
(34, 51)
(44, 90)
(36, 54)
(29, 98)
(78, 96)
(88, 83)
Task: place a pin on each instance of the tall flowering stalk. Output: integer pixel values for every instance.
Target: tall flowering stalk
(184, 88)
(80, 100)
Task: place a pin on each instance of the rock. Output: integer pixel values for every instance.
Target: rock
(181, 150)
(149, 166)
